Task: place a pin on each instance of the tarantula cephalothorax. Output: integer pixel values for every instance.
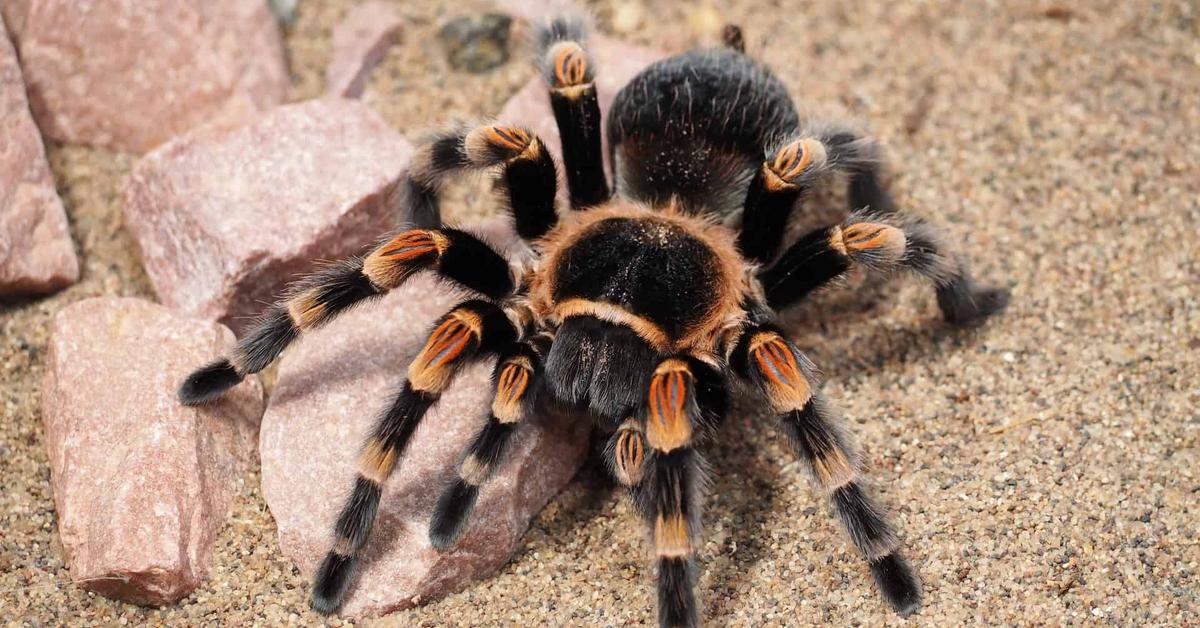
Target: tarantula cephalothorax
(642, 310)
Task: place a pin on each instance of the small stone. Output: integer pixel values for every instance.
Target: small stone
(285, 11)
(359, 43)
(130, 74)
(618, 62)
(226, 216)
(141, 483)
(332, 386)
(476, 43)
(36, 253)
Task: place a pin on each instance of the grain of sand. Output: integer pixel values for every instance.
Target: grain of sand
(1043, 469)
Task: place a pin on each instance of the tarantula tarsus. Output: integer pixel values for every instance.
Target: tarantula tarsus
(642, 309)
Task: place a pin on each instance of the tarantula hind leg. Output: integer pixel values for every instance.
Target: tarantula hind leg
(471, 330)
(787, 380)
(318, 298)
(881, 243)
(514, 379)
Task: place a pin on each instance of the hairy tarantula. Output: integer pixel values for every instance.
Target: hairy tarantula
(642, 309)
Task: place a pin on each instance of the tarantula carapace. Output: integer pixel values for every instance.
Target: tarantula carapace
(642, 306)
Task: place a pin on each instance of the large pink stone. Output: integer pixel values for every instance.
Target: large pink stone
(359, 43)
(36, 254)
(141, 483)
(131, 74)
(616, 63)
(225, 216)
(331, 388)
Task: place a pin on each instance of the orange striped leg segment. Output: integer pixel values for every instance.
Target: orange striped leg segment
(471, 330)
(514, 379)
(788, 382)
(318, 298)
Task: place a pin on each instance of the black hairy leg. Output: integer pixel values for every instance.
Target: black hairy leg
(471, 330)
(515, 378)
(787, 381)
(318, 298)
(678, 411)
(570, 74)
(881, 243)
(527, 176)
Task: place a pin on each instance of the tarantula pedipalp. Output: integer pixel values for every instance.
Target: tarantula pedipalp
(641, 308)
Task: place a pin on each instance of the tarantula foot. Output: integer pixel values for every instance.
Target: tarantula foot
(964, 303)
(208, 382)
(795, 164)
(490, 145)
(331, 583)
(898, 583)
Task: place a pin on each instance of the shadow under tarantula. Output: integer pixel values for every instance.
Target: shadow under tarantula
(643, 309)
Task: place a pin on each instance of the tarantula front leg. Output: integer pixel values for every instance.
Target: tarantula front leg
(470, 331)
(316, 299)
(515, 378)
(787, 380)
(880, 243)
(656, 458)
(570, 75)
(528, 175)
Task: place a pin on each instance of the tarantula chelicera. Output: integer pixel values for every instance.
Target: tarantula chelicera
(642, 306)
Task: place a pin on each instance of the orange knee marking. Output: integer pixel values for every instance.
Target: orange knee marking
(668, 426)
(388, 265)
(510, 390)
(570, 64)
(786, 384)
(792, 160)
(871, 237)
(628, 455)
(431, 370)
(671, 538)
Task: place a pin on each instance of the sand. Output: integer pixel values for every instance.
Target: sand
(1043, 468)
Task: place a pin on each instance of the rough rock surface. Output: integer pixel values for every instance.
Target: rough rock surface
(225, 216)
(617, 62)
(36, 254)
(329, 391)
(141, 483)
(359, 43)
(130, 74)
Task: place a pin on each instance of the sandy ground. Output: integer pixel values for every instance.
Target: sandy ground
(1043, 468)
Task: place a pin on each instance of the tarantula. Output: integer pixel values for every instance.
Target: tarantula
(643, 306)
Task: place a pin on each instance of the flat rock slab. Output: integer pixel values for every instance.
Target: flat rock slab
(616, 63)
(141, 483)
(330, 390)
(36, 254)
(131, 74)
(360, 41)
(226, 216)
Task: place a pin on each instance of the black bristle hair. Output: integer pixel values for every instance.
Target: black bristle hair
(451, 513)
(676, 599)
(266, 339)
(208, 382)
(898, 583)
(964, 303)
(331, 582)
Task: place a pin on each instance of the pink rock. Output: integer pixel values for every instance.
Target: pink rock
(131, 74)
(331, 388)
(141, 483)
(616, 63)
(359, 43)
(225, 216)
(36, 254)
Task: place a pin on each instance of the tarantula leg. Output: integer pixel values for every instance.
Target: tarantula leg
(471, 330)
(514, 379)
(788, 382)
(569, 72)
(321, 296)
(669, 494)
(774, 191)
(625, 453)
(880, 243)
(528, 176)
